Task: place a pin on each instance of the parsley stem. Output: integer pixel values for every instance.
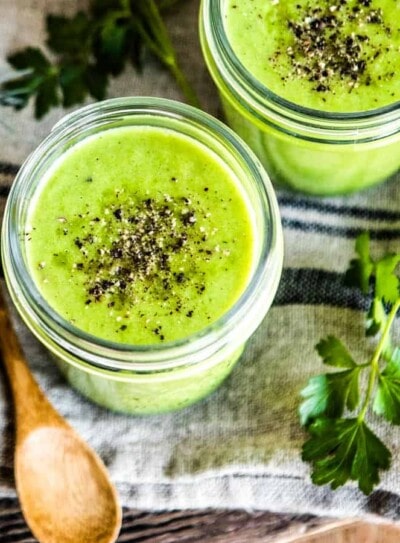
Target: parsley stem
(375, 359)
(161, 45)
(184, 84)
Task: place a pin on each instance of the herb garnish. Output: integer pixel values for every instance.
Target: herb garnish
(89, 48)
(341, 447)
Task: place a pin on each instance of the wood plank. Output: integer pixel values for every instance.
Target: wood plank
(195, 526)
(350, 531)
(213, 527)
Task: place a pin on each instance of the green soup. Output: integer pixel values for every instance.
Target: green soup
(331, 56)
(312, 87)
(140, 235)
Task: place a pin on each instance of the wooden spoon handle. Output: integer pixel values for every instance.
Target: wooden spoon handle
(31, 406)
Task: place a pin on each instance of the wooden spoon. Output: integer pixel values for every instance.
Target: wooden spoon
(63, 486)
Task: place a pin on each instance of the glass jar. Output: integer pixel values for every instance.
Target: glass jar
(303, 149)
(146, 378)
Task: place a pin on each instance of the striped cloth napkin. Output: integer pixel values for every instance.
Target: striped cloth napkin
(240, 448)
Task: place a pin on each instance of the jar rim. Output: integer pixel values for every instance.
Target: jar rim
(188, 350)
(248, 89)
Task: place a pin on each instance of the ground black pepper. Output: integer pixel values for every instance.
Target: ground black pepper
(321, 48)
(134, 244)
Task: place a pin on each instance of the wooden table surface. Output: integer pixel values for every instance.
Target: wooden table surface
(193, 526)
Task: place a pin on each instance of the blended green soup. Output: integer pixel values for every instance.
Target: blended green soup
(140, 235)
(332, 56)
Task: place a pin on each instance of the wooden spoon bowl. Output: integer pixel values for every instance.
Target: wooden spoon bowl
(68, 487)
(65, 492)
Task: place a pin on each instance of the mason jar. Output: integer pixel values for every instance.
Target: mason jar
(146, 378)
(303, 149)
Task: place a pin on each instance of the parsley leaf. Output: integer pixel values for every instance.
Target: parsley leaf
(29, 59)
(334, 353)
(387, 283)
(364, 270)
(112, 46)
(361, 268)
(69, 37)
(341, 448)
(88, 49)
(386, 291)
(387, 398)
(46, 96)
(329, 394)
(73, 84)
(376, 317)
(345, 449)
(38, 79)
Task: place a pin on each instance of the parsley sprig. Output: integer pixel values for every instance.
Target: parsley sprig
(86, 50)
(342, 446)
